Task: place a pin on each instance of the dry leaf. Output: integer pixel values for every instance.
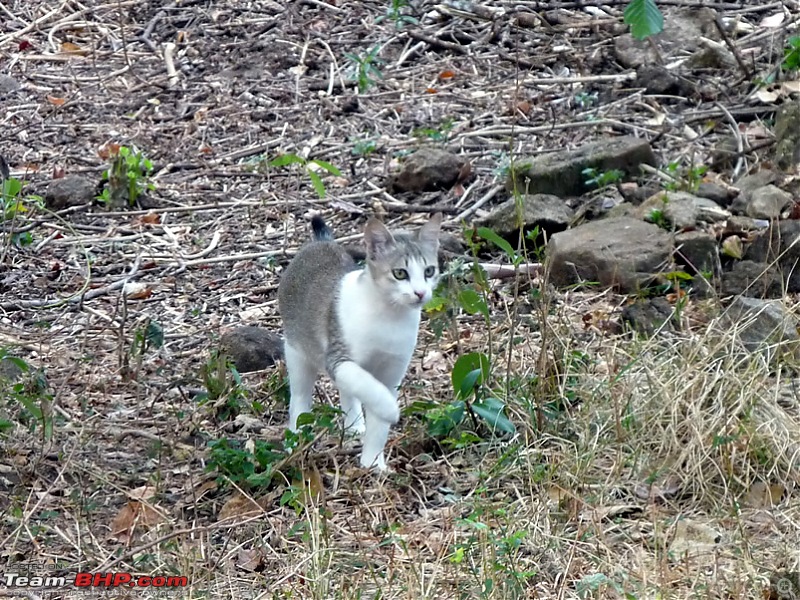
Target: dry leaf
(732, 246)
(431, 91)
(150, 218)
(24, 45)
(313, 488)
(70, 48)
(766, 96)
(145, 492)
(238, 507)
(250, 560)
(694, 539)
(134, 515)
(56, 101)
(657, 119)
(137, 291)
(108, 150)
(774, 20)
(447, 74)
(791, 87)
(761, 495)
(675, 296)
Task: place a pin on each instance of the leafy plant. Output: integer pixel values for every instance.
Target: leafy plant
(127, 178)
(13, 202)
(28, 397)
(223, 385)
(586, 99)
(602, 179)
(395, 13)
(688, 178)
(309, 166)
(364, 147)
(791, 54)
(436, 134)
(148, 336)
(365, 68)
(644, 18)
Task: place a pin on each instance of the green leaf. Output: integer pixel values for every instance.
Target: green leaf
(327, 166)
(491, 411)
(283, 160)
(491, 236)
(436, 304)
(154, 335)
(644, 18)
(467, 364)
(316, 181)
(472, 302)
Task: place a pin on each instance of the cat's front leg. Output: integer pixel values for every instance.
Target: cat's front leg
(375, 437)
(353, 414)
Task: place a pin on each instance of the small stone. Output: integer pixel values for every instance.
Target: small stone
(650, 316)
(767, 202)
(72, 190)
(752, 279)
(429, 169)
(697, 251)
(562, 173)
(764, 326)
(719, 194)
(681, 209)
(622, 252)
(8, 85)
(548, 212)
(252, 348)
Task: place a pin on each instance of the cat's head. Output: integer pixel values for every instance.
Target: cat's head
(404, 266)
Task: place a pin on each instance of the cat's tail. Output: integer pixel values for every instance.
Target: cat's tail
(322, 232)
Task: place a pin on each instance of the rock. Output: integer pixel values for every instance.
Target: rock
(719, 194)
(621, 252)
(767, 202)
(429, 169)
(787, 134)
(764, 326)
(681, 209)
(683, 30)
(252, 348)
(656, 79)
(737, 225)
(546, 211)
(8, 85)
(752, 279)
(747, 185)
(713, 55)
(780, 244)
(697, 251)
(72, 190)
(650, 316)
(10, 371)
(561, 173)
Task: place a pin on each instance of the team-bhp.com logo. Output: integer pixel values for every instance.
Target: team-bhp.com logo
(96, 580)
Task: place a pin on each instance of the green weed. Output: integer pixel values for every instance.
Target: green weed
(127, 178)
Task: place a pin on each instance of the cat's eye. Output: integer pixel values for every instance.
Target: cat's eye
(430, 271)
(400, 274)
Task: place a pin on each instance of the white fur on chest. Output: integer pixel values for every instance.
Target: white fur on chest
(379, 336)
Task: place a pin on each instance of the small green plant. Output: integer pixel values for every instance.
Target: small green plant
(145, 338)
(365, 68)
(395, 12)
(14, 203)
(364, 147)
(436, 134)
(127, 178)
(586, 99)
(688, 179)
(658, 217)
(223, 385)
(309, 166)
(602, 179)
(791, 54)
(25, 395)
(644, 18)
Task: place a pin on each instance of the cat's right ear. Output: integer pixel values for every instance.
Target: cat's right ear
(377, 238)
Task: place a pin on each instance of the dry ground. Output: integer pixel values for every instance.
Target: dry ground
(654, 466)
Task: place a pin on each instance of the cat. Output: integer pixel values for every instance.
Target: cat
(358, 324)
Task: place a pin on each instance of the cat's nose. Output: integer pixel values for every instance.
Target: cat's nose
(419, 294)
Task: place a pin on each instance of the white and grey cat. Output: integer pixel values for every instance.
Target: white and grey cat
(358, 324)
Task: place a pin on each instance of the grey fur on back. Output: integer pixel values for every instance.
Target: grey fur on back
(307, 295)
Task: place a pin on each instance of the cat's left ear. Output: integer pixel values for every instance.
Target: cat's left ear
(428, 234)
(377, 238)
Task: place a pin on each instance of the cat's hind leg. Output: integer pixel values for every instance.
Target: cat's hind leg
(302, 376)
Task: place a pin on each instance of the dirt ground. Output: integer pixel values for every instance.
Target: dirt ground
(119, 479)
